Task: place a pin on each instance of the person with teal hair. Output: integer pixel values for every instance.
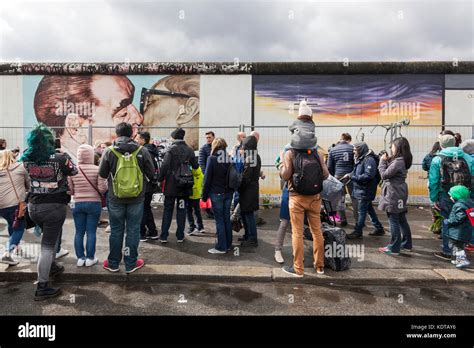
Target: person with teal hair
(40, 145)
(459, 225)
(47, 201)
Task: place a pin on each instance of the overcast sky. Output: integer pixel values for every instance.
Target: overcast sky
(195, 30)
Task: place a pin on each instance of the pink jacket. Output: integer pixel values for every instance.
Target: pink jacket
(79, 187)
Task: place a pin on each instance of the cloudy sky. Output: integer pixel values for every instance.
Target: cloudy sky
(221, 30)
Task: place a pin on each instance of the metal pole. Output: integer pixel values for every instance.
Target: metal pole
(90, 134)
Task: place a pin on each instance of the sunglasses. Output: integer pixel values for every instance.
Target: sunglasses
(146, 92)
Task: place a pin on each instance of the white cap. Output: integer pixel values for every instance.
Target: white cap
(305, 109)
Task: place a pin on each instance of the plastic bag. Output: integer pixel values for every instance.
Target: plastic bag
(334, 192)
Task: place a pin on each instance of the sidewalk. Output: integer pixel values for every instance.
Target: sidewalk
(191, 261)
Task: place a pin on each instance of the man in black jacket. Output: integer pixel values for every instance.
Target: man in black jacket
(148, 220)
(125, 212)
(179, 152)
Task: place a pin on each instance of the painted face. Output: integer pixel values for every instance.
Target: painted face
(168, 112)
(115, 96)
(163, 110)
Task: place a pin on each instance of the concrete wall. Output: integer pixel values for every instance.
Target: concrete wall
(224, 97)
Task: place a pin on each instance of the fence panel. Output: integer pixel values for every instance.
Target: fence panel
(272, 140)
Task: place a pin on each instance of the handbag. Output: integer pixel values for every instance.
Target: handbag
(103, 201)
(20, 211)
(205, 204)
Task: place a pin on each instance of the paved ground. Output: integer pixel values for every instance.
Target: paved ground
(195, 298)
(192, 258)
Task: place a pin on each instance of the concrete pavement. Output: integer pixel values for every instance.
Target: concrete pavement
(191, 262)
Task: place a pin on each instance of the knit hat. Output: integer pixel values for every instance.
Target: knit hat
(446, 141)
(304, 109)
(178, 134)
(459, 192)
(468, 146)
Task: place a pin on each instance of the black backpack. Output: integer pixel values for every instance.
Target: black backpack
(454, 171)
(234, 177)
(183, 176)
(307, 178)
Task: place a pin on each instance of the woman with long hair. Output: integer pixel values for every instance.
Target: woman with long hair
(13, 186)
(393, 170)
(215, 187)
(47, 200)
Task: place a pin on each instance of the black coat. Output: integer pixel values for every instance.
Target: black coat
(178, 152)
(249, 189)
(363, 178)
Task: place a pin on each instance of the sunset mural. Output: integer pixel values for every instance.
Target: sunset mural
(358, 104)
(351, 99)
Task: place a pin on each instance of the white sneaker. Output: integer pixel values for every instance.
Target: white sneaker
(62, 253)
(215, 251)
(190, 233)
(81, 262)
(202, 230)
(91, 262)
(279, 257)
(107, 229)
(461, 260)
(180, 240)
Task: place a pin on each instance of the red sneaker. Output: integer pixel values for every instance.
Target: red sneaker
(140, 263)
(469, 247)
(110, 269)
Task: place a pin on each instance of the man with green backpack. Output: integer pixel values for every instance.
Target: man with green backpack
(126, 165)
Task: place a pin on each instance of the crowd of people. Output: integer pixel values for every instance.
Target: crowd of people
(122, 177)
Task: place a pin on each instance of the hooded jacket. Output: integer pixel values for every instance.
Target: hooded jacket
(459, 226)
(177, 153)
(249, 188)
(79, 187)
(394, 194)
(434, 176)
(364, 174)
(303, 133)
(108, 166)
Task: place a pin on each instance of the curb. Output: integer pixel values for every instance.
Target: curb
(171, 273)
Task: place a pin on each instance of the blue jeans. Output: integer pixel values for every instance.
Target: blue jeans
(221, 203)
(284, 206)
(445, 204)
(168, 216)
(124, 216)
(365, 206)
(15, 233)
(399, 222)
(250, 226)
(86, 217)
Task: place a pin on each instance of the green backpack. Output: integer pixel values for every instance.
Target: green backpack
(128, 179)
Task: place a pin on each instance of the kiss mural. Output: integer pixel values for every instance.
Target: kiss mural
(71, 103)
